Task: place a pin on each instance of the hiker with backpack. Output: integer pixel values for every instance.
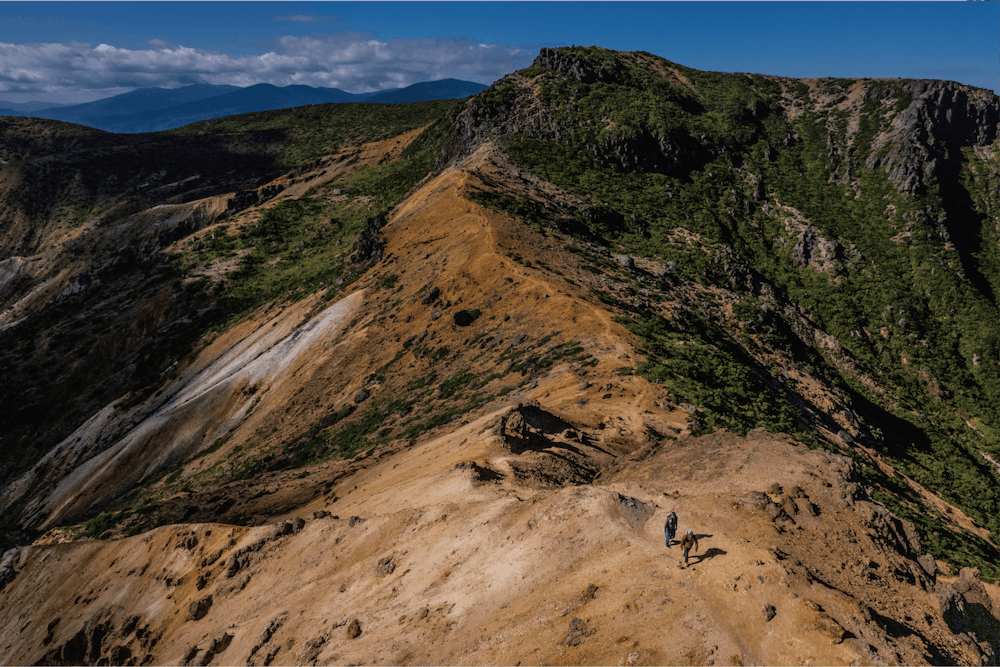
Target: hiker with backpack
(670, 528)
(687, 542)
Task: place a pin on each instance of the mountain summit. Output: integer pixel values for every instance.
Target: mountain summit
(420, 383)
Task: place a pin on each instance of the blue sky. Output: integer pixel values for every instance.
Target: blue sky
(58, 52)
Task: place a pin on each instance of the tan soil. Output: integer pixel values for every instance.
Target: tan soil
(481, 541)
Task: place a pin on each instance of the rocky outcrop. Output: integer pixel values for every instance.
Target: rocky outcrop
(9, 566)
(968, 610)
(199, 608)
(576, 632)
(580, 68)
(673, 153)
(810, 247)
(815, 251)
(245, 199)
(505, 109)
(527, 426)
(102, 640)
(633, 510)
(942, 117)
(370, 246)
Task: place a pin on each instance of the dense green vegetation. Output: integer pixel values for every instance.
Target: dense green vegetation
(763, 199)
(707, 370)
(304, 244)
(296, 247)
(305, 133)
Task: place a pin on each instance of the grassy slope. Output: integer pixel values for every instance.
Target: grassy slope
(303, 244)
(309, 132)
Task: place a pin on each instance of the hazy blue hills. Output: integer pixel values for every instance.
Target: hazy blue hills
(261, 97)
(14, 108)
(157, 109)
(445, 89)
(143, 100)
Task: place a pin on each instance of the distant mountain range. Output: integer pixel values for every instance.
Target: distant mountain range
(29, 107)
(156, 109)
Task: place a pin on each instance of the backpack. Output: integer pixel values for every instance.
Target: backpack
(672, 521)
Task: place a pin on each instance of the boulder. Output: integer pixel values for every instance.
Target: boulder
(463, 318)
(386, 565)
(667, 270)
(826, 625)
(220, 644)
(198, 609)
(928, 564)
(626, 261)
(576, 632)
(431, 296)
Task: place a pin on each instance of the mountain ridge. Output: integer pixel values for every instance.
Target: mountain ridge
(158, 109)
(490, 350)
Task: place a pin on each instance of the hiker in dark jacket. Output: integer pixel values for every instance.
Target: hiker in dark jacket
(670, 528)
(687, 542)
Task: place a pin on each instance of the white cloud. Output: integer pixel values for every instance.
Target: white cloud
(298, 19)
(355, 62)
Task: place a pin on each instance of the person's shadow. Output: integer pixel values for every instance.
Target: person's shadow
(709, 554)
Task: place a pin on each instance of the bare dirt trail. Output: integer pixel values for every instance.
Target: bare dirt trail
(481, 573)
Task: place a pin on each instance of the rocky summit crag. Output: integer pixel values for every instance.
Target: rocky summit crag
(420, 383)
